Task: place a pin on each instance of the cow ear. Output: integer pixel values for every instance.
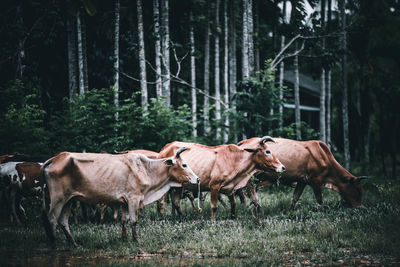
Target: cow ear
(170, 162)
(250, 150)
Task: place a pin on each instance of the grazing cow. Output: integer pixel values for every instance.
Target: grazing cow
(131, 180)
(225, 168)
(310, 163)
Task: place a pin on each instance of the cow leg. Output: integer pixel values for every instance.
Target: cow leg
(241, 196)
(233, 205)
(53, 215)
(317, 192)
(133, 207)
(191, 198)
(13, 196)
(161, 205)
(116, 209)
(297, 193)
(124, 219)
(74, 207)
(63, 223)
(214, 200)
(103, 212)
(176, 200)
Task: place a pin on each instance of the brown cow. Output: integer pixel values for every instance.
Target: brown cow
(131, 180)
(148, 153)
(310, 163)
(226, 168)
(28, 185)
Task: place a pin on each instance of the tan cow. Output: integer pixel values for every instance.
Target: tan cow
(225, 168)
(131, 180)
(310, 163)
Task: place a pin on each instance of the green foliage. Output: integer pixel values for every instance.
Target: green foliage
(307, 133)
(22, 121)
(254, 99)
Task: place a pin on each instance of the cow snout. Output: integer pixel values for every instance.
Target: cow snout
(194, 180)
(281, 168)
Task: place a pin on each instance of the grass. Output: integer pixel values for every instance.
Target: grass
(311, 234)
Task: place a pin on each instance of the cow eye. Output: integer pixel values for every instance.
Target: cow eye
(184, 165)
(267, 152)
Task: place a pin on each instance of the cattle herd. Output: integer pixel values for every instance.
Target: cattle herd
(134, 178)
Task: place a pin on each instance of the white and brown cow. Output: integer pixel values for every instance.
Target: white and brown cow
(131, 180)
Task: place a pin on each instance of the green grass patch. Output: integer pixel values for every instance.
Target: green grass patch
(310, 234)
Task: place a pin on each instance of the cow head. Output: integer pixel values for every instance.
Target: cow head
(350, 190)
(179, 171)
(263, 156)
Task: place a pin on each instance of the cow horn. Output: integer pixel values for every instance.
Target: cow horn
(362, 177)
(266, 139)
(179, 151)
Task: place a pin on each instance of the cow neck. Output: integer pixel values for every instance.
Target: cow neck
(335, 171)
(246, 165)
(159, 183)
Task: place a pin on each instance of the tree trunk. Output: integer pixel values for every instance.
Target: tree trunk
(345, 112)
(250, 29)
(216, 73)
(322, 113)
(232, 58)
(72, 64)
(80, 56)
(156, 19)
(206, 105)
(256, 37)
(245, 42)
(84, 49)
(193, 79)
(165, 51)
(142, 59)
(226, 85)
(328, 108)
(116, 55)
(282, 71)
(21, 47)
(297, 96)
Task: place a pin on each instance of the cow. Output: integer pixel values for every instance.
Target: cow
(309, 163)
(8, 180)
(225, 168)
(131, 180)
(148, 153)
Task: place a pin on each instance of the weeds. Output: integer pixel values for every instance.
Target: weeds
(310, 234)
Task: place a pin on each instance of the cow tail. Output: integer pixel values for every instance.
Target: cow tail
(45, 195)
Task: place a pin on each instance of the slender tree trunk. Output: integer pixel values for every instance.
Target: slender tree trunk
(297, 96)
(345, 112)
(165, 51)
(72, 64)
(245, 42)
(256, 37)
(193, 79)
(328, 108)
(84, 47)
(142, 59)
(216, 73)
(282, 71)
(232, 59)
(156, 15)
(80, 56)
(21, 46)
(322, 113)
(328, 84)
(250, 29)
(281, 76)
(226, 85)
(116, 55)
(206, 105)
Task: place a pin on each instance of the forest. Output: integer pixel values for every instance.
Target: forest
(103, 76)
(108, 76)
